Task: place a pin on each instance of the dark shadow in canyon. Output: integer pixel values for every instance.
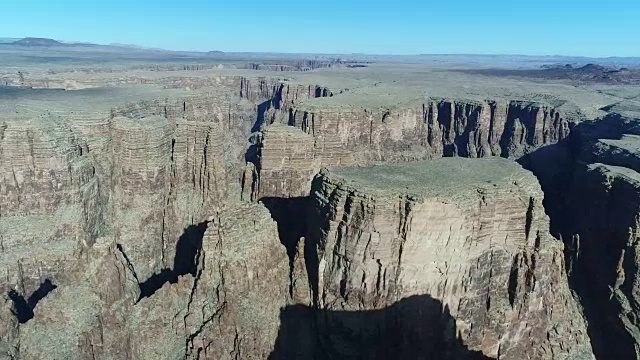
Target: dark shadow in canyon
(417, 327)
(265, 106)
(23, 308)
(321, 92)
(262, 108)
(185, 261)
(252, 154)
(581, 215)
(291, 214)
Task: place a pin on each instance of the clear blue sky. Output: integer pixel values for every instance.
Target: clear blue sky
(565, 27)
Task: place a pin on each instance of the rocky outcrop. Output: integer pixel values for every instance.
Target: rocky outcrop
(283, 164)
(140, 178)
(48, 200)
(227, 309)
(301, 65)
(121, 233)
(50, 214)
(470, 233)
(244, 261)
(605, 205)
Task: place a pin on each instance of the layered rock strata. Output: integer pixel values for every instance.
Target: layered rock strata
(438, 128)
(121, 236)
(285, 162)
(48, 200)
(431, 129)
(470, 233)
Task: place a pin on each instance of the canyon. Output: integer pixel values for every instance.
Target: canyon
(315, 209)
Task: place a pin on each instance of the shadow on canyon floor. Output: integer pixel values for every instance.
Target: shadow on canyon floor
(23, 308)
(185, 262)
(417, 327)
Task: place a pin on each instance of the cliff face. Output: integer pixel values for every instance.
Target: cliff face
(434, 128)
(49, 212)
(470, 233)
(140, 175)
(439, 128)
(48, 200)
(287, 157)
(285, 161)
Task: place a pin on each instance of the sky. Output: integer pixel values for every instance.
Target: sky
(598, 28)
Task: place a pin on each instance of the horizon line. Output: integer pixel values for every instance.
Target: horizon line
(144, 47)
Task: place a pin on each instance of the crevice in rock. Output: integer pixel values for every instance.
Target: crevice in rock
(290, 217)
(23, 308)
(513, 280)
(189, 341)
(262, 108)
(185, 262)
(128, 261)
(529, 218)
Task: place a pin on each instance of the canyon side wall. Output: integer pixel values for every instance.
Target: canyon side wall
(434, 128)
(591, 186)
(122, 235)
(150, 231)
(470, 235)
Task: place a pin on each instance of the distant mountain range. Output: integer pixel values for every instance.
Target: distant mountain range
(6, 40)
(30, 41)
(46, 42)
(127, 51)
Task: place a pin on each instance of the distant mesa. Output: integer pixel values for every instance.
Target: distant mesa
(586, 69)
(590, 68)
(29, 41)
(215, 53)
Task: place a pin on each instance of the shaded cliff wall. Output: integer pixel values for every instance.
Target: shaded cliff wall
(428, 330)
(591, 194)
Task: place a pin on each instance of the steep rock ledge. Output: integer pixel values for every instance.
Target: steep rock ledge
(283, 164)
(48, 201)
(458, 230)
